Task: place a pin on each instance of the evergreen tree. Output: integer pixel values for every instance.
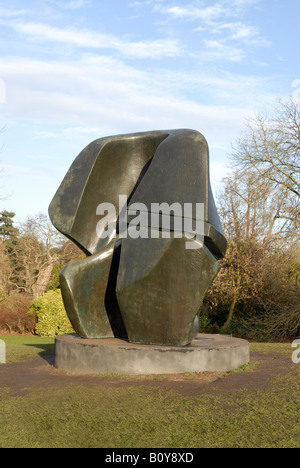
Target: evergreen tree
(7, 229)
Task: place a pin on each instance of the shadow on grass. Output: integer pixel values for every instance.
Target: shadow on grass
(47, 350)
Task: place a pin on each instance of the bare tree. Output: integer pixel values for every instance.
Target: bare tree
(34, 255)
(261, 238)
(253, 208)
(271, 145)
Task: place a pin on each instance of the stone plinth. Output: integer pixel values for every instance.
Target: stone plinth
(216, 353)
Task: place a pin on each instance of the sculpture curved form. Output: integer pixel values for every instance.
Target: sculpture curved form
(146, 288)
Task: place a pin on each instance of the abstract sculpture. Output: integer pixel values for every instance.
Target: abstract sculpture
(147, 270)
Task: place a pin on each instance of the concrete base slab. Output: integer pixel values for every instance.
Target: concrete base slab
(111, 355)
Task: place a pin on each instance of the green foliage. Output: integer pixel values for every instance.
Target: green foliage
(51, 316)
(54, 283)
(7, 230)
(204, 322)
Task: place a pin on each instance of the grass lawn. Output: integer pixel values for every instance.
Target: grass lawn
(19, 347)
(140, 416)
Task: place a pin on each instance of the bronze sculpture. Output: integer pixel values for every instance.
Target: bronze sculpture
(140, 281)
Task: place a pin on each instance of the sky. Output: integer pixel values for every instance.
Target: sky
(76, 70)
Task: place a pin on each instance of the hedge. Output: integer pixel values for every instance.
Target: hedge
(51, 316)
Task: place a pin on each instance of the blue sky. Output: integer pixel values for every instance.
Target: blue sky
(76, 70)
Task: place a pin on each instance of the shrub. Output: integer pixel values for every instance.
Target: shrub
(14, 313)
(54, 279)
(51, 316)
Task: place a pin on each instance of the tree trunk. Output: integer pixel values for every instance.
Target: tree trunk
(39, 288)
(231, 311)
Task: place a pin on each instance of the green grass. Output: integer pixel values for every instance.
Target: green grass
(20, 347)
(244, 368)
(271, 347)
(140, 417)
(150, 417)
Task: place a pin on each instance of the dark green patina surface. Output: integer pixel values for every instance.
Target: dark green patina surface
(146, 289)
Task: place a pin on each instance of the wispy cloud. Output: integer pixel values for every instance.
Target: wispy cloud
(220, 26)
(217, 50)
(89, 39)
(189, 12)
(238, 31)
(13, 170)
(97, 95)
(215, 19)
(77, 70)
(74, 4)
(244, 3)
(68, 4)
(9, 13)
(69, 132)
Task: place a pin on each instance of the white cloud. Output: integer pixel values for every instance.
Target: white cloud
(208, 11)
(68, 4)
(69, 132)
(7, 13)
(241, 32)
(237, 30)
(215, 20)
(13, 170)
(207, 14)
(244, 3)
(97, 96)
(74, 4)
(89, 39)
(217, 50)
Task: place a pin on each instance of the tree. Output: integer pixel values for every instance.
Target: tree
(7, 229)
(259, 207)
(8, 239)
(39, 249)
(68, 252)
(5, 271)
(271, 145)
(29, 254)
(256, 279)
(253, 208)
(35, 254)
